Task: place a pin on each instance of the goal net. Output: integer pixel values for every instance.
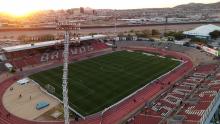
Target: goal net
(50, 88)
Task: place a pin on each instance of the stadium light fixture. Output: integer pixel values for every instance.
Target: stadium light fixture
(67, 26)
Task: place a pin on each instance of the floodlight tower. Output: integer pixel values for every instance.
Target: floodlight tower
(115, 14)
(115, 31)
(66, 26)
(165, 26)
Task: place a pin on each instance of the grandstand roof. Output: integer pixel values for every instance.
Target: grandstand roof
(30, 46)
(202, 30)
(46, 43)
(99, 36)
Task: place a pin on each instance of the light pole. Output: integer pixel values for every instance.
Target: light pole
(67, 26)
(115, 31)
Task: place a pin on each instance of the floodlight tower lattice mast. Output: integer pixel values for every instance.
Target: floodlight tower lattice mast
(67, 26)
(115, 30)
(115, 14)
(165, 26)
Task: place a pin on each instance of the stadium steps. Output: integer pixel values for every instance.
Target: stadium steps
(141, 119)
(3, 121)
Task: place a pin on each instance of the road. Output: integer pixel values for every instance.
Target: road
(109, 29)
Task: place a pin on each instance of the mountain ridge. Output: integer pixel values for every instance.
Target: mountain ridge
(199, 6)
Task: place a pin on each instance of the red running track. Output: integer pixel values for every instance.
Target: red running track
(118, 112)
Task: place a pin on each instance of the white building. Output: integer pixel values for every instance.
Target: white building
(202, 31)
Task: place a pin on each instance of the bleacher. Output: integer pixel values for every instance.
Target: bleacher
(33, 54)
(2, 67)
(194, 105)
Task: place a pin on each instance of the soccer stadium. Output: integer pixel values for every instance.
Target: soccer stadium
(139, 82)
(89, 79)
(109, 62)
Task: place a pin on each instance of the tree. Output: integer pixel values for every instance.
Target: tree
(143, 34)
(5, 37)
(22, 37)
(177, 35)
(215, 34)
(46, 37)
(120, 34)
(147, 32)
(70, 11)
(131, 31)
(198, 41)
(155, 32)
(92, 33)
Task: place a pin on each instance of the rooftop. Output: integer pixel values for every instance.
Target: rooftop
(46, 43)
(202, 30)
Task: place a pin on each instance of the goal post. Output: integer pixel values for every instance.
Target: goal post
(50, 88)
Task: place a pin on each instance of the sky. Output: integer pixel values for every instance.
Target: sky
(25, 6)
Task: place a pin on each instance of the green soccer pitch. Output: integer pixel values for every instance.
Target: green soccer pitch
(100, 82)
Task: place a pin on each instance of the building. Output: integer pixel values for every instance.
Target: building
(202, 31)
(82, 11)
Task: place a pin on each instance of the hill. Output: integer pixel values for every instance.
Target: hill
(199, 6)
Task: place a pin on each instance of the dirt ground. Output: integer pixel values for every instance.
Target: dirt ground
(24, 106)
(161, 28)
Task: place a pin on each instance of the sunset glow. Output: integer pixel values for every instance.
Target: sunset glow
(17, 7)
(24, 7)
(20, 13)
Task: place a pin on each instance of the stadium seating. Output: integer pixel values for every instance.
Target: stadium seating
(193, 111)
(23, 58)
(2, 67)
(142, 119)
(121, 109)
